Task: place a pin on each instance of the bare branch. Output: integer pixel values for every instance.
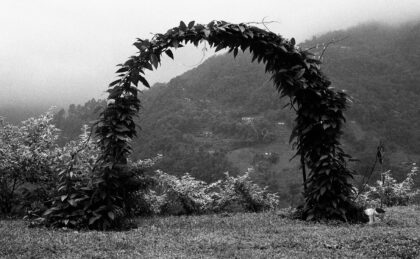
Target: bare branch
(326, 45)
(203, 51)
(264, 23)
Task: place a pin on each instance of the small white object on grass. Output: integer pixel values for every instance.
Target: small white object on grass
(372, 213)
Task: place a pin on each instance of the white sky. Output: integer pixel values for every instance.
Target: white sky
(65, 51)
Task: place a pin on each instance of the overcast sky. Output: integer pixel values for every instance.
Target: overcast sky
(62, 51)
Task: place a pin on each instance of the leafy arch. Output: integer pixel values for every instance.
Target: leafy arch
(295, 73)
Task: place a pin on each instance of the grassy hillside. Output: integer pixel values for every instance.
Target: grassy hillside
(262, 235)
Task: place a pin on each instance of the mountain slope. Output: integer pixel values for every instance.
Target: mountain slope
(376, 64)
(380, 67)
(225, 115)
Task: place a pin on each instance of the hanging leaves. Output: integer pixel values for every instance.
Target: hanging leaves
(144, 81)
(115, 82)
(155, 60)
(169, 53)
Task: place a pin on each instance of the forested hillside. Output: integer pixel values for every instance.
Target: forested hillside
(380, 68)
(225, 115)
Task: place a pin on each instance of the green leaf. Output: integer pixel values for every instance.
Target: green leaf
(254, 57)
(72, 202)
(300, 73)
(123, 69)
(135, 79)
(144, 81)
(147, 65)
(283, 48)
(49, 211)
(182, 26)
(138, 45)
(115, 82)
(219, 47)
(175, 43)
(63, 197)
(93, 219)
(155, 60)
(169, 53)
(111, 215)
(191, 24)
(206, 33)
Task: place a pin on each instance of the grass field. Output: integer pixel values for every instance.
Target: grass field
(262, 235)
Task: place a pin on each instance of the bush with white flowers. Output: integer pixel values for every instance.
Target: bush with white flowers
(187, 195)
(28, 154)
(389, 192)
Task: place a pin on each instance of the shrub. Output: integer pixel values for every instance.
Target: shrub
(145, 201)
(243, 191)
(186, 195)
(389, 192)
(83, 200)
(75, 167)
(28, 155)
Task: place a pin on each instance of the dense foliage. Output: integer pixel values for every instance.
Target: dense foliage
(187, 195)
(390, 192)
(28, 158)
(71, 120)
(58, 186)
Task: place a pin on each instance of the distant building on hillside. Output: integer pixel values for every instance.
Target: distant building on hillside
(248, 119)
(207, 134)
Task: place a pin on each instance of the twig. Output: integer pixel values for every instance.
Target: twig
(313, 47)
(378, 156)
(263, 22)
(328, 44)
(292, 106)
(203, 50)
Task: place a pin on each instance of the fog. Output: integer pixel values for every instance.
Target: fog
(61, 52)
